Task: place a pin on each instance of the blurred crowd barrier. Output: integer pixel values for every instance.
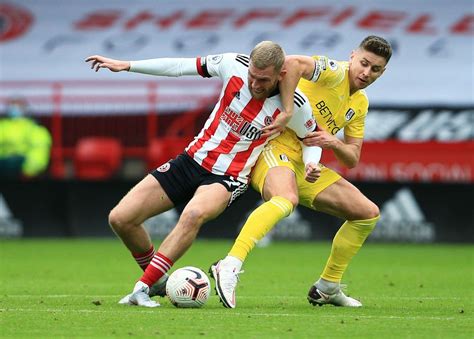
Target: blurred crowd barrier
(411, 212)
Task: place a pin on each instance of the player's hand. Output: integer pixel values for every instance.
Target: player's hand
(277, 126)
(98, 62)
(322, 139)
(313, 172)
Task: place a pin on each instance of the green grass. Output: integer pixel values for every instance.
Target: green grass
(49, 289)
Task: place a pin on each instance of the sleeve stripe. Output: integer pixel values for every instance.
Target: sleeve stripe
(317, 71)
(199, 66)
(243, 60)
(202, 67)
(243, 57)
(299, 96)
(299, 100)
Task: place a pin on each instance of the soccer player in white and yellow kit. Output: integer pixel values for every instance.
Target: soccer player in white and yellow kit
(335, 91)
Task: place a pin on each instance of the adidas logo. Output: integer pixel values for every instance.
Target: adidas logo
(403, 220)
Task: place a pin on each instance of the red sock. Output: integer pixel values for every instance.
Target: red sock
(143, 259)
(158, 266)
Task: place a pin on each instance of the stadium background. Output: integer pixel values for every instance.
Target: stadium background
(418, 155)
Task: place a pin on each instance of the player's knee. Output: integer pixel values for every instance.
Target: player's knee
(371, 211)
(192, 218)
(292, 198)
(116, 221)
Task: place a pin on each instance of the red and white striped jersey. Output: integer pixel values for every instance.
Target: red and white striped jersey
(230, 141)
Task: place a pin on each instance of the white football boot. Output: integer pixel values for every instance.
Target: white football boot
(158, 289)
(140, 297)
(316, 297)
(226, 277)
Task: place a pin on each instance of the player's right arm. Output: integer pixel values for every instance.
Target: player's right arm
(213, 65)
(172, 67)
(298, 66)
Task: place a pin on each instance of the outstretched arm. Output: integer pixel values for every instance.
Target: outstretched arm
(172, 67)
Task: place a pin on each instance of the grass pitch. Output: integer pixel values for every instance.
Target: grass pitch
(70, 288)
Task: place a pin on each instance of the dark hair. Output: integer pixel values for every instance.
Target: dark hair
(377, 45)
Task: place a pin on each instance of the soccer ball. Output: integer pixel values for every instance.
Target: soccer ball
(188, 287)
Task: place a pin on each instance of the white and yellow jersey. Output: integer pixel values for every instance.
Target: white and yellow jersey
(332, 105)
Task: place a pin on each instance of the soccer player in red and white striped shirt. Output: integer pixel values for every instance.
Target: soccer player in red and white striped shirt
(215, 167)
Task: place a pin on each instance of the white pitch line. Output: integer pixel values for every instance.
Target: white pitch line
(240, 297)
(345, 316)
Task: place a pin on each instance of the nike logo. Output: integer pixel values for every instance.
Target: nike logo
(323, 295)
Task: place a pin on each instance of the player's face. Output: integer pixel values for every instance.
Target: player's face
(262, 82)
(364, 68)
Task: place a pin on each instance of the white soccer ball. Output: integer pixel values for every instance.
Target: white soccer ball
(188, 287)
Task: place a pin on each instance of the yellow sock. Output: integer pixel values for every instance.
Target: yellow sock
(347, 242)
(259, 223)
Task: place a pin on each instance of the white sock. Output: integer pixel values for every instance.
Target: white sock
(328, 287)
(232, 261)
(140, 285)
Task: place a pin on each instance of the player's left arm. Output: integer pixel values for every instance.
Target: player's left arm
(347, 151)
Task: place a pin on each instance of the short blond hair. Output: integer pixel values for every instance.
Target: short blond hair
(268, 53)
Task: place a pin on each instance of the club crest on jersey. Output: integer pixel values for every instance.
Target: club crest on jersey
(349, 114)
(164, 167)
(268, 120)
(309, 124)
(284, 158)
(239, 126)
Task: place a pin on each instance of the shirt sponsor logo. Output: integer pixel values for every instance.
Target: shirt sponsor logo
(328, 117)
(239, 126)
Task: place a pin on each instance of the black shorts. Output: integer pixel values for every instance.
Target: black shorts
(180, 178)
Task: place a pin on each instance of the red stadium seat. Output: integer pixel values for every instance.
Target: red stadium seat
(97, 158)
(163, 149)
